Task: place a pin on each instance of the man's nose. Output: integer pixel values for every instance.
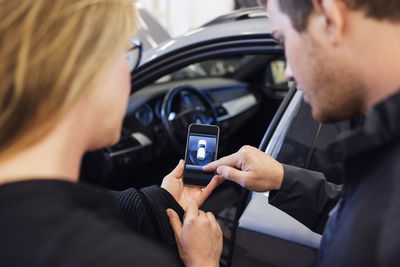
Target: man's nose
(289, 74)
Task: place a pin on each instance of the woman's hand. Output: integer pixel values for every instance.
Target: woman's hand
(199, 238)
(183, 194)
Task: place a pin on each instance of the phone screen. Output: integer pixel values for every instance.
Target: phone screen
(201, 149)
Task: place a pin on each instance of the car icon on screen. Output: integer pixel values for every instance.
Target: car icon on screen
(201, 149)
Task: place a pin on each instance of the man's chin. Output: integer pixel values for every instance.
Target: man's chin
(306, 98)
(324, 117)
(318, 115)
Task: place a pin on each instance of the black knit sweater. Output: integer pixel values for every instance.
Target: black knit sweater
(58, 223)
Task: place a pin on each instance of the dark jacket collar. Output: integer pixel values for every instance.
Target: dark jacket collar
(381, 127)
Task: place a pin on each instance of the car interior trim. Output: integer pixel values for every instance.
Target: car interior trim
(142, 139)
(277, 139)
(237, 106)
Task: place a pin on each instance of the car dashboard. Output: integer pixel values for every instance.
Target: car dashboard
(143, 132)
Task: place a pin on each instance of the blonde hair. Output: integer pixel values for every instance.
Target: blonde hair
(50, 51)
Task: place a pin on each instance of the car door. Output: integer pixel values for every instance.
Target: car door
(265, 235)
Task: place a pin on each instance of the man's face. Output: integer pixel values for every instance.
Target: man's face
(319, 68)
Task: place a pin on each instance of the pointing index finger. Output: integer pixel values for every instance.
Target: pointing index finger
(231, 160)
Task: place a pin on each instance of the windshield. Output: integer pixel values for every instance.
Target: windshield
(230, 67)
(210, 68)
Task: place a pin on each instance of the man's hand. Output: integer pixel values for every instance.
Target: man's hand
(251, 168)
(173, 183)
(199, 239)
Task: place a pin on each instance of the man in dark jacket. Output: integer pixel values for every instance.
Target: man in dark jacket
(344, 55)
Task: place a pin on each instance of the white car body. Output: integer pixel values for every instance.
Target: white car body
(201, 149)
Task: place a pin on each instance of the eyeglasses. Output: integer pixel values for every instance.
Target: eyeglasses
(134, 54)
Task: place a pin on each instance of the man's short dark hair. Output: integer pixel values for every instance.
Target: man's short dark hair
(299, 10)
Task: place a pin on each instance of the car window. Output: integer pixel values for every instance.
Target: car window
(222, 67)
(278, 68)
(311, 145)
(270, 68)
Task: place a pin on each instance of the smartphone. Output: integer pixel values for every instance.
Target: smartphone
(201, 149)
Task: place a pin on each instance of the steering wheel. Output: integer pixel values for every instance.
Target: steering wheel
(177, 125)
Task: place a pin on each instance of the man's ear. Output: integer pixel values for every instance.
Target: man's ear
(334, 13)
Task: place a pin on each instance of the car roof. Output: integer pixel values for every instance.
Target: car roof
(243, 28)
(241, 14)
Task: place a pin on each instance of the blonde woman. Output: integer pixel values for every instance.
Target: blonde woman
(64, 88)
